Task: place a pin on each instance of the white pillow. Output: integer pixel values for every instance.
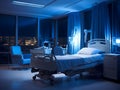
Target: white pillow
(89, 51)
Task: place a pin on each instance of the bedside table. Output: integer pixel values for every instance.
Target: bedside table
(112, 66)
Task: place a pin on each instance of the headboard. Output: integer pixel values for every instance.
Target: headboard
(100, 44)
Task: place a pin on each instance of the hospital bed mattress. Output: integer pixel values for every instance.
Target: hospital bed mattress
(67, 62)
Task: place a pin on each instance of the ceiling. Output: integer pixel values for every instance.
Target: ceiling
(49, 9)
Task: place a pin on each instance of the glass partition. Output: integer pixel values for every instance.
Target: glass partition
(27, 33)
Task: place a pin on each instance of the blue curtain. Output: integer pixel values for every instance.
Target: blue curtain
(115, 24)
(75, 32)
(100, 23)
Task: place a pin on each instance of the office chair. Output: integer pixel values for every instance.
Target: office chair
(17, 57)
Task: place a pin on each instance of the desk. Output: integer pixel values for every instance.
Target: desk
(112, 66)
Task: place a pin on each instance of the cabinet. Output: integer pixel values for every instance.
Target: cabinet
(112, 66)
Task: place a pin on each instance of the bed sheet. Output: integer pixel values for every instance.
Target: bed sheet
(68, 62)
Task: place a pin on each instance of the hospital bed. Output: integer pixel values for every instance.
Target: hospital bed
(47, 64)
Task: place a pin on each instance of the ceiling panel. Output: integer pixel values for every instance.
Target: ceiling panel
(52, 8)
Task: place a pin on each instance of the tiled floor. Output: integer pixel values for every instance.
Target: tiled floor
(21, 79)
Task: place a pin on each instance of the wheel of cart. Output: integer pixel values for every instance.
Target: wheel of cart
(45, 75)
(34, 77)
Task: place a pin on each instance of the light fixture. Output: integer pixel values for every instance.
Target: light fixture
(28, 4)
(118, 41)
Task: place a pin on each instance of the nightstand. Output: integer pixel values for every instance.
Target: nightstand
(112, 66)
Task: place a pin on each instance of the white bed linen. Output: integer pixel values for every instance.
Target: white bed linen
(68, 62)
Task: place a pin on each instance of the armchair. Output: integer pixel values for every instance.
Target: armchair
(17, 57)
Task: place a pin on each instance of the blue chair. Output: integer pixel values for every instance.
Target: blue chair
(17, 57)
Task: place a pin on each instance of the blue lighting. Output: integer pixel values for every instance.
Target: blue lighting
(27, 4)
(76, 39)
(118, 41)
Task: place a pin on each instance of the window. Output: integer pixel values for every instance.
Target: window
(27, 33)
(7, 36)
(62, 31)
(7, 31)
